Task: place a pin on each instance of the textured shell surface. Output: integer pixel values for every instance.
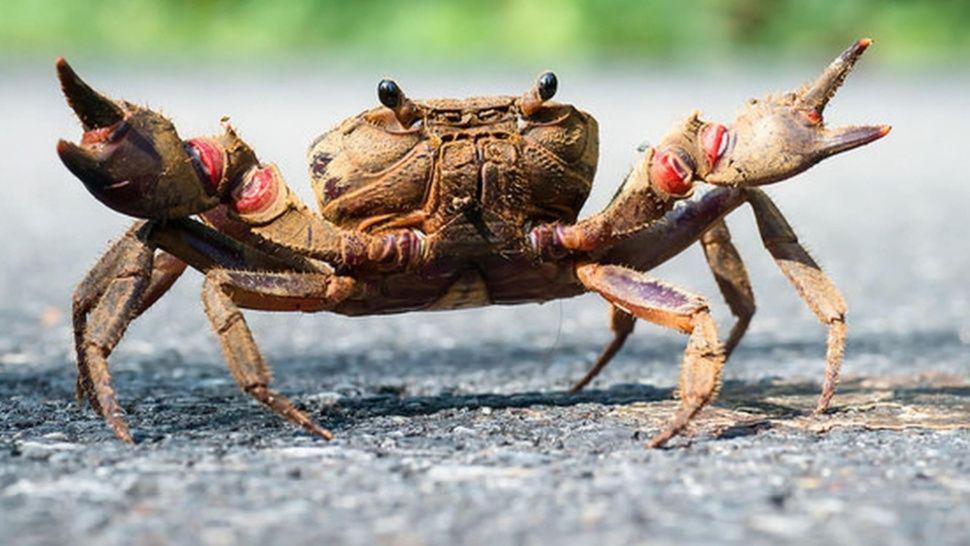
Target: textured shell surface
(461, 161)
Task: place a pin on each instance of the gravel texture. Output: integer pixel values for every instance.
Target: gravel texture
(456, 427)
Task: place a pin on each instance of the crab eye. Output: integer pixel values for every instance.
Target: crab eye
(547, 85)
(389, 93)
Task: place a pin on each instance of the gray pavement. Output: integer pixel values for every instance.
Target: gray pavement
(456, 427)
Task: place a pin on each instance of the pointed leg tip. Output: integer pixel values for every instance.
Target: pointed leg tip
(579, 386)
(121, 430)
(322, 432)
(822, 406)
(884, 130)
(863, 43)
(660, 439)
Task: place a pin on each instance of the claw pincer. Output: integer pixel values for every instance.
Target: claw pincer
(133, 160)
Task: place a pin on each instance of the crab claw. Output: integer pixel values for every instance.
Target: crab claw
(132, 159)
(778, 137)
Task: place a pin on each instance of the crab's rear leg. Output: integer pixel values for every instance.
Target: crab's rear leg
(732, 279)
(663, 304)
(222, 294)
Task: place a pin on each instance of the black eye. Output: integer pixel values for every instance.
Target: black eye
(547, 85)
(389, 93)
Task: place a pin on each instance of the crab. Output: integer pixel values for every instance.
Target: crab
(445, 204)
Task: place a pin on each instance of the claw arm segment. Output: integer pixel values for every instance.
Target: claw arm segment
(770, 140)
(665, 305)
(204, 248)
(663, 176)
(637, 204)
(285, 222)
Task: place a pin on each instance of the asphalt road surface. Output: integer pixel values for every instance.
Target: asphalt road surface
(457, 427)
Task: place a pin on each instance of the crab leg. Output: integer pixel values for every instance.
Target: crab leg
(166, 269)
(663, 304)
(220, 294)
(732, 280)
(126, 281)
(111, 297)
(682, 227)
(813, 286)
(86, 295)
(621, 323)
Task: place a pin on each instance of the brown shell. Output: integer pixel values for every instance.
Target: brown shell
(479, 154)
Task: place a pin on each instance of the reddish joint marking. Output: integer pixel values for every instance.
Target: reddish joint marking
(813, 117)
(211, 158)
(714, 138)
(257, 191)
(670, 174)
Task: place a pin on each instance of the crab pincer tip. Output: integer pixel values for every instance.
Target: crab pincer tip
(63, 68)
(63, 146)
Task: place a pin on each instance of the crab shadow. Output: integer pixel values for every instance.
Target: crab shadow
(734, 394)
(766, 399)
(771, 398)
(175, 397)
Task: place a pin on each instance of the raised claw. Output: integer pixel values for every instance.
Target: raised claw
(780, 136)
(132, 159)
(817, 94)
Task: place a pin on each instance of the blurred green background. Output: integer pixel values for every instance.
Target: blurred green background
(909, 32)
